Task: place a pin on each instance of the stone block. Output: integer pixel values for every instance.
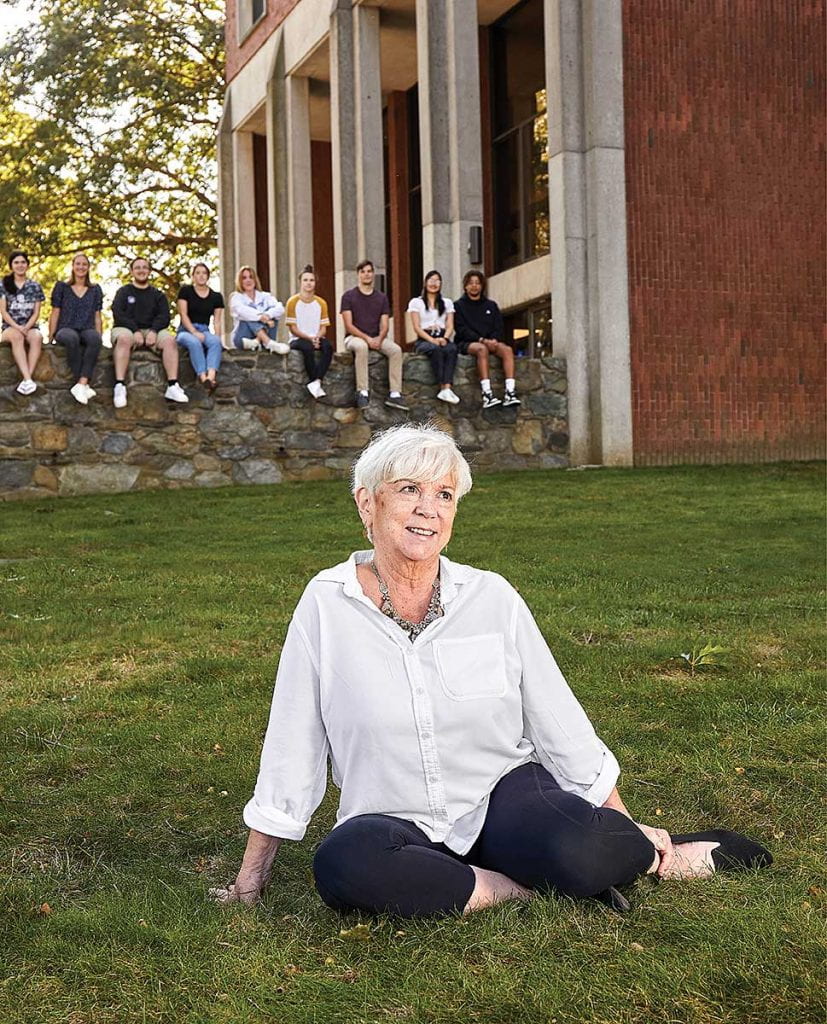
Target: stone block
(110, 478)
(206, 463)
(46, 477)
(527, 438)
(353, 435)
(549, 404)
(83, 441)
(49, 437)
(210, 479)
(45, 369)
(16, 473)
(145, 405)
(66, 410)
(558, 441)
(25, 408)
(257, 471)
(231, 425)
(147, 373)
(306, 440)
(236, 452)
(350, 415)
(13, 435)
(181, 470)
(260, 391)
(553, 461)
(117, 443)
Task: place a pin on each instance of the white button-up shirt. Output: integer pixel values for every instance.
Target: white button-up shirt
(424, 730)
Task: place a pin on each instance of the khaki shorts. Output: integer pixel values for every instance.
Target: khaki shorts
(163, 335)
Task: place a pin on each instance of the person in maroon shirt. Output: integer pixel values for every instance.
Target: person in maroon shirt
(366, 315)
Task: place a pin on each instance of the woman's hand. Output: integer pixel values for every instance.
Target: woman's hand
(662, 842)
(255, 871)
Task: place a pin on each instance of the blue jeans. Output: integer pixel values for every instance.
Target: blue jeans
(211, 345)
(248, 329)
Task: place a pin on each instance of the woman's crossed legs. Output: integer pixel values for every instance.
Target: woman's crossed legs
(535, 834)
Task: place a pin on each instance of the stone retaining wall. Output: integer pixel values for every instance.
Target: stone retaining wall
(260, 427)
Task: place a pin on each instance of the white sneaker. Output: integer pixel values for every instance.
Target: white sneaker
(90, 392)
(27, 387)
(250, 345)
(447, 395)
(80, 393)
(175, 393)
(278, 348)
(119, 396)
(315, 388)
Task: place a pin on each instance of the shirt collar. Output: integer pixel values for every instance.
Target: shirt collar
(451, 575)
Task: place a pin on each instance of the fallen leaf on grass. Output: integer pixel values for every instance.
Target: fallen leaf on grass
(636, 946)
(358, 933)
(44, 909)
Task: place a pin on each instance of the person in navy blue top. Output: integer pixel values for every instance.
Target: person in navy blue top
(75, 322)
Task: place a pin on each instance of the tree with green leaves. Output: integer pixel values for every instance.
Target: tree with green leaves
(108, 114)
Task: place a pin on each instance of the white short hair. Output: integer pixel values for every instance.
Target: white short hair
(418, 452)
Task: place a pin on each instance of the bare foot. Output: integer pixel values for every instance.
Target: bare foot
(492, 887)
(692, 860)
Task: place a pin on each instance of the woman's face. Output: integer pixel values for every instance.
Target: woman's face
(19, 265)
(200, 276)
(308, 282)
(80, 267)
(408, 519)
(433, 284)
(248, 282)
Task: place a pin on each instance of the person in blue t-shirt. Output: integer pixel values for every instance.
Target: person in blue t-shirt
(20, 302)
(75, 323)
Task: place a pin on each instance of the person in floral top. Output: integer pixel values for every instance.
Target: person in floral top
(20, 302)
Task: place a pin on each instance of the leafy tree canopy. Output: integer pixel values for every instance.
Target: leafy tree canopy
(108, 114)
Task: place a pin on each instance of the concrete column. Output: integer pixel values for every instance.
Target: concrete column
(244, 206)
(299, 176)
(370, 174)
(279, 212)
(449, 133)
(343, 147)
(226, 202)
(606, 225)
(589, 276)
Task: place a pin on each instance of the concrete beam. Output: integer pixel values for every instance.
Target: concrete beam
(279, 212)
(343, 147)
(226, 201)
(299, 176)
(370, 174)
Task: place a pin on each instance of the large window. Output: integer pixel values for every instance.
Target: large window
(528, 330)
(520, 136)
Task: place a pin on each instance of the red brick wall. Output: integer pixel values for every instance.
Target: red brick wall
(237, 56)
(724, 105)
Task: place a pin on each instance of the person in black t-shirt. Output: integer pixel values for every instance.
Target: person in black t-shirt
(141, 315)
(480, 332)
(198, 304)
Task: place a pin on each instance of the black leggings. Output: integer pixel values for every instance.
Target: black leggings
(443, 359)
(316, 360)
(534, 832)
(82, 350)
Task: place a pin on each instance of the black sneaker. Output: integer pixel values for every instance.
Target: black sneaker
(489, 400)
(396, 403)
(362, 401)
(510, 398)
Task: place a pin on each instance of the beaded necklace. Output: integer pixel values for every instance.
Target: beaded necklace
(413, 629)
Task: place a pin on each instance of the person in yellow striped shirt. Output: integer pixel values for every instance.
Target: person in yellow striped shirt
(307, 321)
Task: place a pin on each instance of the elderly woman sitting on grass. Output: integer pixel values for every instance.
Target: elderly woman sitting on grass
(469, 773)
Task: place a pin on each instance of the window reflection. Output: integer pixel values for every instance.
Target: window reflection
(528, 330)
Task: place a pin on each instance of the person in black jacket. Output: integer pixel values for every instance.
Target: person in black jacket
(480, 332)
(141, 315)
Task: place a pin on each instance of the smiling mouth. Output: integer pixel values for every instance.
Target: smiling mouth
(420, 532)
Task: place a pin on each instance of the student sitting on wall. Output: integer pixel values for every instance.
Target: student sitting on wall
(480, 333)
(20, 302)
(197, 305)
(307, 321)
(432, 317)
(256, 314)
(76, 323)
(141, 315)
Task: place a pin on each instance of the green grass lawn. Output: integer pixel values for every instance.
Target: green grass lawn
(140, 635)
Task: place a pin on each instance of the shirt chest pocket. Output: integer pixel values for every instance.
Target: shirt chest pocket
(472, 667)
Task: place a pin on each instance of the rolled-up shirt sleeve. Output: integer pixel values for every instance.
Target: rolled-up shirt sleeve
(293, 773)
(563, 737)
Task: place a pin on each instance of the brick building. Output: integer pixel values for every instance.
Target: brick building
(650, 172)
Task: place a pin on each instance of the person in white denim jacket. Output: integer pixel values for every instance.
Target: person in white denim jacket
(255, 314)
